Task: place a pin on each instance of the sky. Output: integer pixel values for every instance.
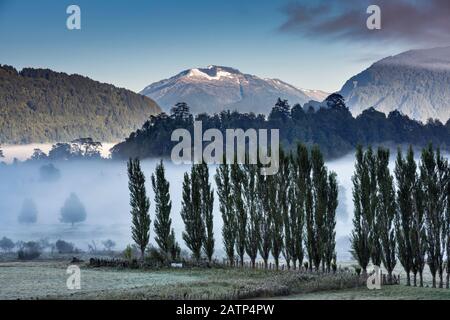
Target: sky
(311, 44)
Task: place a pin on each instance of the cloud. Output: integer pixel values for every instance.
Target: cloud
(408, 21)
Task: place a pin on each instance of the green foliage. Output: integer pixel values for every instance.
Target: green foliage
(163, 206)
(73, 210)
(140, 205)
(40, 105)
(226, 205)
(333, 129)
(237, 183)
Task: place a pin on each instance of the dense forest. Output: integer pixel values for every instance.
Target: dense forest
(40, 105)
(332, 128)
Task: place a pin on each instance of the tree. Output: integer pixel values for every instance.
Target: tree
(224, 191)
(361, 198)
(289, 213)
(109, 245)
(330, 221)
(320, 197)
(371, 210)
(175, 250)
(140, 206)
(38, 155)
(237, 182)
(386, 210)
(73, 210)
(64, 247)
(432, 174)
(163, 206)
(191, 213)
(301, 198)
(49, 173)
(207, 206)
(265, 218)
(28, 213)
(447, 229)
(251, 172)
(297, 210)
(6, 244)
(418, 233)
(405, 173)
(274, 200)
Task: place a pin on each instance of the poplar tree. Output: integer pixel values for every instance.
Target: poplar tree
(288, 221)
(405, 174)
(224, 191)
(330, 221)
(319, 187)
(418, 233)
(265, 225)
(386, 210)
(432, 171)
(163, 206)
(140, 205)
(276, 218)
(191, 214)
(361, 199)
(207, 206)
(237, 181)
(251, 206)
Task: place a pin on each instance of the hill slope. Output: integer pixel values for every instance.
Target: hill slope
(415, 83)
(217, 88)
(40, 105)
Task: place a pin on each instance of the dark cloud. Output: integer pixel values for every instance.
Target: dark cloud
(410, 21)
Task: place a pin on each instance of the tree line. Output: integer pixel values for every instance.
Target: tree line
(402, 216)
(291, 214)
(332, 128)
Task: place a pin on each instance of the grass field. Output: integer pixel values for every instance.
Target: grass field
(47, 280)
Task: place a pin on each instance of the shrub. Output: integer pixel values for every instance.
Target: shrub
(6, 244)
(65, 247)
(29, 251)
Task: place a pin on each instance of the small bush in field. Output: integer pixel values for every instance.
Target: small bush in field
(29, 251)
(65, 247)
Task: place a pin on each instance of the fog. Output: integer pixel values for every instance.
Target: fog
(102, 186)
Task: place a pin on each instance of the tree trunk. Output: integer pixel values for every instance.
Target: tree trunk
(294, 264)
(408, 279)
(415, 279)
(434, 280)
(390, 277)
(421, 279)
(266, 265)
(441, 279)
(447, 284)
(253, 263)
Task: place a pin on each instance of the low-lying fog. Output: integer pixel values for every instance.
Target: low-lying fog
(102, 186)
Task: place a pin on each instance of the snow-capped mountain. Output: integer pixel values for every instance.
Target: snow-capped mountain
(416, 83)
(215, 88)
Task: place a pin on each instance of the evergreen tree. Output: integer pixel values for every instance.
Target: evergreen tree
(361, 198)
(297, 209)
(405, 173)
(191, 213)
(175, 250)
(386, 210)
(226, 205)
(286, 176)
(251, 172)
(237, 181)
(207, 206)
(330, 221)
(163, 206)
(140, 205)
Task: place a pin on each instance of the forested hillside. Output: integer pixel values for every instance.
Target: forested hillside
(40, 105)
(333, 128)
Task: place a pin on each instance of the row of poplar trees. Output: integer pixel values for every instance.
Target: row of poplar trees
(291, 214)
(404, 216)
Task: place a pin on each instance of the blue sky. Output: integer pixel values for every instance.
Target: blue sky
(134, 43)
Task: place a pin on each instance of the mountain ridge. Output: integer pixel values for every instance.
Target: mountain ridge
(217, 88)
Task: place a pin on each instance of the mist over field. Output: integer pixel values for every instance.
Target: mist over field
(102, 186)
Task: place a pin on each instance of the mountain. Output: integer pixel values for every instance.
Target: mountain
(416, 83)
(40, 105)
(217, 88)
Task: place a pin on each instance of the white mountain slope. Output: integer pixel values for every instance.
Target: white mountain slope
(217, 88)
(417, 83)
